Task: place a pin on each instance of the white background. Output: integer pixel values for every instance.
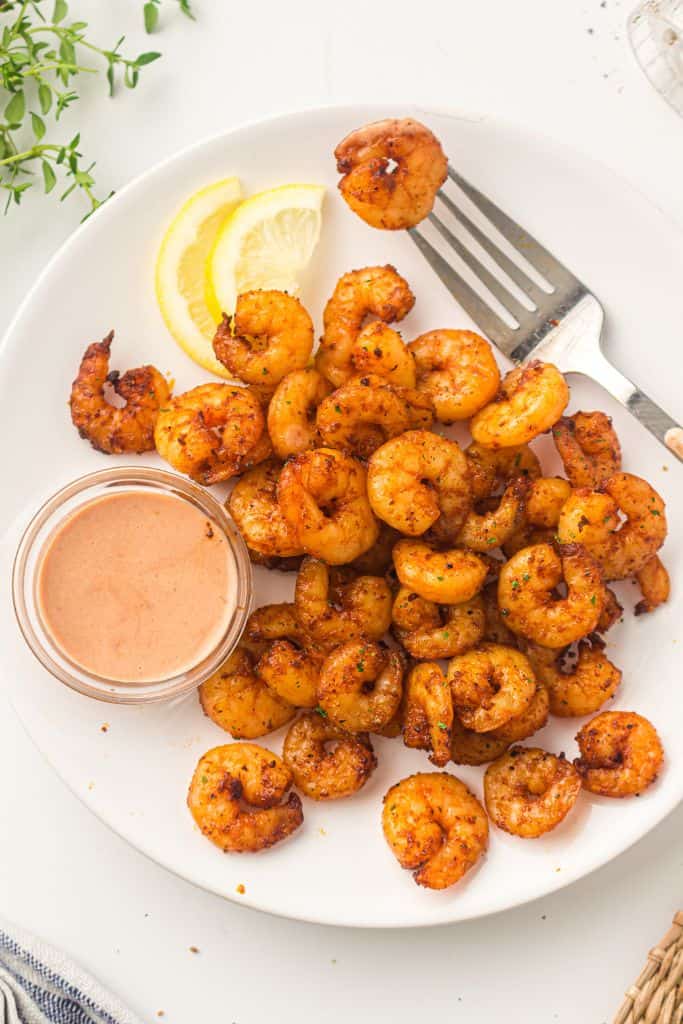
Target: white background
(564, 68)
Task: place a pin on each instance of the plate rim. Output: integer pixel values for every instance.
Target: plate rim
(354, 110)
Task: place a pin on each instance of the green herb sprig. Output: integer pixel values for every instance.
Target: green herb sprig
(40, 56)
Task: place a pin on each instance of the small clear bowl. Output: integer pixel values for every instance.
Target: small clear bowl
(27, 561)
(655, 30)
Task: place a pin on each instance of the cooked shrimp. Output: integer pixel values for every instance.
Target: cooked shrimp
(526, 536)
(291, 412)
(527, 600)
(528, 791)
(545, 499)
(428, 630)
(212, 432)
(418, 480)
(490, 685)
(655, 586)
(591, 518)
(533, 718)
(581, 689)
(269, 336)
(458, 372)
(225, 779)
(327, 762)
(273, 622)
(589, 448)
(378, 292)
(621, 754)
(254, 507)
(495, 629)
(237, 700)
(380, 350)
(490, 470)
(435, 827)
(445, 577)
(475, 748)
(291, 672)
(335, 606)
(323, 496)
(484, 531)
(110, 429)
(531, 399)
(361, 415)
(429, 712)
(361, 685)
(391, 171)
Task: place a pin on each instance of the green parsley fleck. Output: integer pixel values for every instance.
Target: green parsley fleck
(515, 584)
(321, 711)
(442, 726)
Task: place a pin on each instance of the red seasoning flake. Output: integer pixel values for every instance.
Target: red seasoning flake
(104, 727)
(240, 889)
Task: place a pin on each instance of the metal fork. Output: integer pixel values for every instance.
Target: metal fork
(563, 323)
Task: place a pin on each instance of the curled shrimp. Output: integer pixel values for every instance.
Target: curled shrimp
(531, 400)
(323, 496)
(655, 586)
(484, 531)
(434, 827)
(589, 448)
(445, 577)
(212, 432)
(273, 622)
(428, 712)
(229, 777)
(292, 410)
(269, 335)
(335, 606)
(419, 480)
(581, 689)
(491, 469)
(428, 630)
(239, 701)
(490, 685)
(522, 726)
(545, 499)
(291, 672)
(378, 292)
(475, 748)
(391, 171)
(254, 507)
(458, 372)
(361, 415)
(528, 791)
(327, 762)
(380, 350)
(621, 754)
(527, 599)
(361, 685)
(110, 429)
(620, 548)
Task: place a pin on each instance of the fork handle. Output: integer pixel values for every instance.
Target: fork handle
(640, 405)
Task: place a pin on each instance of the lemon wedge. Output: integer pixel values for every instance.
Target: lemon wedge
(265, 243)
(182, 265)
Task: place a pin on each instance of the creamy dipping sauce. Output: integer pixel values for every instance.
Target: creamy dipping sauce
(136, 586)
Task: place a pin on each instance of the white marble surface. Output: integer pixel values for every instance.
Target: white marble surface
(566, 69)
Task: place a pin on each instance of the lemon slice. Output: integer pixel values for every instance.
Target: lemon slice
(265, 243)
(181, 270)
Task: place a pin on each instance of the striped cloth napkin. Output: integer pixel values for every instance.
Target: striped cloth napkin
(40, 985)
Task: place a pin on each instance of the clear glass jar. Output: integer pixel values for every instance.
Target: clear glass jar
(27, 562)
(655, 29)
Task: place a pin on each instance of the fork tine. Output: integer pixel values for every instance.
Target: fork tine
(539, 257)
(482, 314)
(513, 271)
(497, 289)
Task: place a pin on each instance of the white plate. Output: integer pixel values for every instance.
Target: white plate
(134, 775)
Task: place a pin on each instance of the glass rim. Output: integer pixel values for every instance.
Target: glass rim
(43, 647)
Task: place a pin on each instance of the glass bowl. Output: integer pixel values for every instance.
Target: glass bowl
(27, 561)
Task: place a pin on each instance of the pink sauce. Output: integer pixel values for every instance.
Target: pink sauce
(136, 586)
